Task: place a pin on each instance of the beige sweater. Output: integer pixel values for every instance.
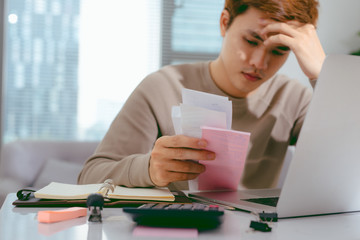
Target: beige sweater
(273, 114)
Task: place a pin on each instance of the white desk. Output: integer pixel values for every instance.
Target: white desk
(21, 223)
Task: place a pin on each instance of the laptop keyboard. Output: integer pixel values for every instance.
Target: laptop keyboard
(271, 201)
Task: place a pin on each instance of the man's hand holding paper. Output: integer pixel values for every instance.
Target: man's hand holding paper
(170, 156)
(207, 117)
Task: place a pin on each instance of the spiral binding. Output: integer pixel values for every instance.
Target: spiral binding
(107, 186)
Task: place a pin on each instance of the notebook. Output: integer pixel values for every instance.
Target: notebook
(323, 176)
(57, 190)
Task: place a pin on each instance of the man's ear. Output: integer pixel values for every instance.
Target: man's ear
(224, 21)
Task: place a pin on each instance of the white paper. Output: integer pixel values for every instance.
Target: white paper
(176, 119)
(193, 118)
(210, 102)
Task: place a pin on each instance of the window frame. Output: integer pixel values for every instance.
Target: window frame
(168, 55)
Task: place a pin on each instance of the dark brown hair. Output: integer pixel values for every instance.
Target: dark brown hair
(304, 11)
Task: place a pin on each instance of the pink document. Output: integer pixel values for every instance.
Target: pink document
(225, 171)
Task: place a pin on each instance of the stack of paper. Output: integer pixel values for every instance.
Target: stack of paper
(209, 116)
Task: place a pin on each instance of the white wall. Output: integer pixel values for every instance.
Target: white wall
(338, 25)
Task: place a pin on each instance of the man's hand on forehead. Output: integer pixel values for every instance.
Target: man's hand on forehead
(301, 38)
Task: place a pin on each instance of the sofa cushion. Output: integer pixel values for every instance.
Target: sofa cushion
(56, 170)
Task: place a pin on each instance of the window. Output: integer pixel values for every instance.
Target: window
(191, 30)
(70, 65)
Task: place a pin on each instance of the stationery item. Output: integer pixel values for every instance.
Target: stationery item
(25, 194)
(50, 229)
(57, 190)
(225, 171)
(195, 215)
(260, 226)
(95, 203)
(61, 215)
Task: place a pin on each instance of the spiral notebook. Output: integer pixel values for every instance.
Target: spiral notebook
(56, 190)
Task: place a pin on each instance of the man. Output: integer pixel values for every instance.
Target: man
(140, 148)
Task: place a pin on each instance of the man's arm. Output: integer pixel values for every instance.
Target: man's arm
(131, 152)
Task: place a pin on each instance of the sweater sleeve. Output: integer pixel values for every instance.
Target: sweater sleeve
(124, 153)
(303, 105)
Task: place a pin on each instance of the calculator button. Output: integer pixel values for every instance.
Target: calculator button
(187, 206)
(160, 206)
(174, 206)
(148, 205)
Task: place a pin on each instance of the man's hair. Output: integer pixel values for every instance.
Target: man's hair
(304, 11)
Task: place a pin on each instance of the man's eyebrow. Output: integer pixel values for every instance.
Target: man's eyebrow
(255, 35)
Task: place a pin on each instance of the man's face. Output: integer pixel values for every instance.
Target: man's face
(246, 61)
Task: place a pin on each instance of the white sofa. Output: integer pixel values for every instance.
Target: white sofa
(37, 163)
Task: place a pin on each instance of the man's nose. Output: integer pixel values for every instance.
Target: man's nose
(259, 58)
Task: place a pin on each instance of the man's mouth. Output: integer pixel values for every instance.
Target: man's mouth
(253, 77)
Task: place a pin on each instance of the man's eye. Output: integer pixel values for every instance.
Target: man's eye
(277, 53)
(253, 43)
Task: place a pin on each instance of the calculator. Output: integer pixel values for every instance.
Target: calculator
(184, 215)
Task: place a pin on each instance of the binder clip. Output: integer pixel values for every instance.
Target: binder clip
(260, 226)
(95, 203)
(268, 217)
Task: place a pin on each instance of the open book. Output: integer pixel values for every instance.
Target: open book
(57, 190)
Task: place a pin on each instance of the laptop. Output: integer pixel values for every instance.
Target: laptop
(323, 176)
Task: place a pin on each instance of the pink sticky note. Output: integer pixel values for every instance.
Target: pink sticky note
(61, 215)
(48, 229)
(231, 148)
(144, 231)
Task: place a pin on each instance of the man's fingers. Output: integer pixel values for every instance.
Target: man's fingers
(174, 170)
(182, 141)
(172, 158)
(180, 166)
(280, 39)
(174, 177)
(189, 154)
(288, 28)
(188, 166)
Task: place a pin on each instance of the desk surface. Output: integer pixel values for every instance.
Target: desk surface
(21, 223)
